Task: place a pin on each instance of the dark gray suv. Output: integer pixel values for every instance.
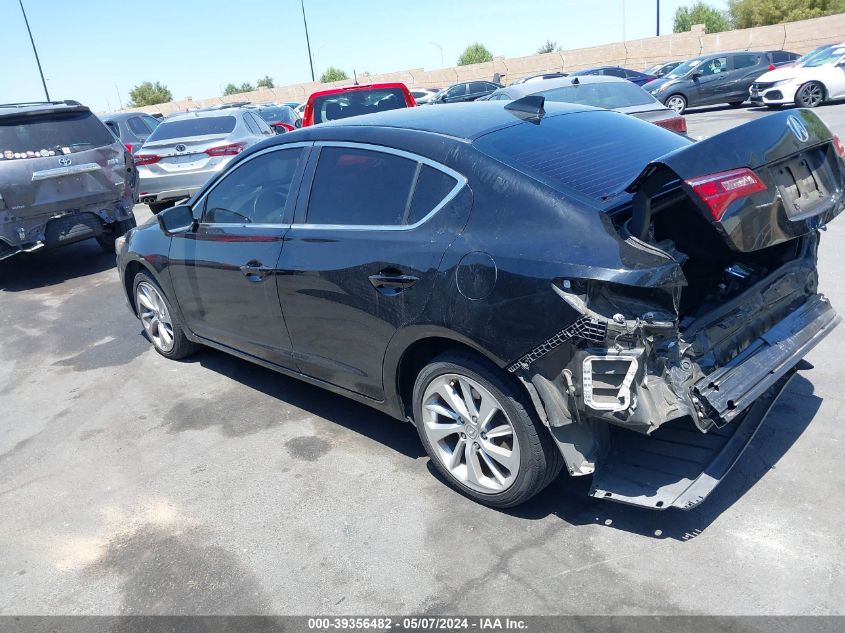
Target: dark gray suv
(715, 78)
(63, 178)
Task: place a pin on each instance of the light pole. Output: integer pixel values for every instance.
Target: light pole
(307, 41)
(658, 18)
(34, 50)
(442, 63)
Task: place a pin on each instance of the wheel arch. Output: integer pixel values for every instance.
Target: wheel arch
(825, 91)
(133, 267)
(412, 349)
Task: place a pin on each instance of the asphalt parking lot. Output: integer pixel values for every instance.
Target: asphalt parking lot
(131, 484)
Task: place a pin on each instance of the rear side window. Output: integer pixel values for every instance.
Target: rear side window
(355, 102)
(581, 152)
(477, 86)
(200, 126)
(431, 188)
(360, 187)
(63, 132)
(745, 61)
(151, 122)
(251, 124)
(615, 72)
(138, 127)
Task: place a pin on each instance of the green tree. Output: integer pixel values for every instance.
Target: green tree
(475, 54)
(230, 89)
(333, 74)
(149, 93)
(713, 20)
(548, 47)
(246, 87)
(266, 82)
(748, 13)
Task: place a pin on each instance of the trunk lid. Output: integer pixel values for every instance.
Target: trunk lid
(184, 154)
(792, 154)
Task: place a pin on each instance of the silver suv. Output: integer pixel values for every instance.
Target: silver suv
(63, 178)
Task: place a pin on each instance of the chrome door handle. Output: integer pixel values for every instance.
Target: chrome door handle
(255, 271)
(390, 282)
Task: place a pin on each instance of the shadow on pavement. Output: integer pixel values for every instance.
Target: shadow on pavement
(567, 498)
(42, 269)
(340, 410)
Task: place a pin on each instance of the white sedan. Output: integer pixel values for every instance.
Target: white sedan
(817, 77)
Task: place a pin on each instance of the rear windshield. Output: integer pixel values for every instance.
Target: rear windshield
(200, 126)
(355, 102)
(601, 95)
(596, 154)
(277, 115)
(62, 133)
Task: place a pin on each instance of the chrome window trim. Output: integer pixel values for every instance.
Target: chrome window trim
(275, 148)
(460, 179)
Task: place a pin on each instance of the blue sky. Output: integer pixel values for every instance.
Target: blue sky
(91, 50)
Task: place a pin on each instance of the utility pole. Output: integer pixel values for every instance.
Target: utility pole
(442, 63)
(119, 100)
(658, 18)
(307, 41)
(34, 50)
(623, 20)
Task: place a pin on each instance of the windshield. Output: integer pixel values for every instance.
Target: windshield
(822, 57)
(609, 95)
(200, 126)
(355, 102)
(60, 133)
(683, 69)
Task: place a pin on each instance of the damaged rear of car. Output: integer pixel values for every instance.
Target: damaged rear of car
(696, 299)
(63, 178)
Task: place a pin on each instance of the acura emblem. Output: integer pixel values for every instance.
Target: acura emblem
(796, 126)
(180, 148)
(65, 162)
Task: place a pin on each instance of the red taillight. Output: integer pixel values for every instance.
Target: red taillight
(838, 146)
(128, 147)
(771, 67)
(718, 191)
(226, 150)
(145, 159)
(308, 115)
(676, 124)
(287, 126)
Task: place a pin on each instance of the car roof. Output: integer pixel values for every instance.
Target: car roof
(203, 114)
(718, 53)
(464, 121)
(7, 109)
(524, 89)
(120, 116)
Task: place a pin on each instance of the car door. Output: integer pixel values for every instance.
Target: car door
(224, 272)
(360, 259)
(745, 68)
(709, 79)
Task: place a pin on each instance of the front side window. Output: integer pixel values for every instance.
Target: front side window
(457, 90)
(714, 66)
(255, 192)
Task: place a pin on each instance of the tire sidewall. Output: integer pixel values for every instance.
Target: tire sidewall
(677, 96)
(798, 99)
(182, 346)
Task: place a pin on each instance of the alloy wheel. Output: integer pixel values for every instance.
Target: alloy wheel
(677, 103)
(155, 316)
(470, 433)
(810, 95)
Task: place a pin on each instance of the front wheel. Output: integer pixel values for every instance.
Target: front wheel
(114, 231)
(678, 103)
(480, 433)
(161, 323)
(810, 95)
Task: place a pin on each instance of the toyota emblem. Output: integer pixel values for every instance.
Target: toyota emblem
(180, 148)
(796, 126)
(65, 162)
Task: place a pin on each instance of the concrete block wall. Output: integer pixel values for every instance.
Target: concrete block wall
(798, 37)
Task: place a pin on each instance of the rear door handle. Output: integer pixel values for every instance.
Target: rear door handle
(255, 271)
(390, 282)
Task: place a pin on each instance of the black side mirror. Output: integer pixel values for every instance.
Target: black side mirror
(695, 76)
(178, 219)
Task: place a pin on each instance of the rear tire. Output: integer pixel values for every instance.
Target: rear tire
(113, 231)
(161, 322)
(810, 95)
(677, 102)
(158, 207)
(501, 457)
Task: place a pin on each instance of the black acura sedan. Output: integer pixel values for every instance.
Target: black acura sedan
(533, 285)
